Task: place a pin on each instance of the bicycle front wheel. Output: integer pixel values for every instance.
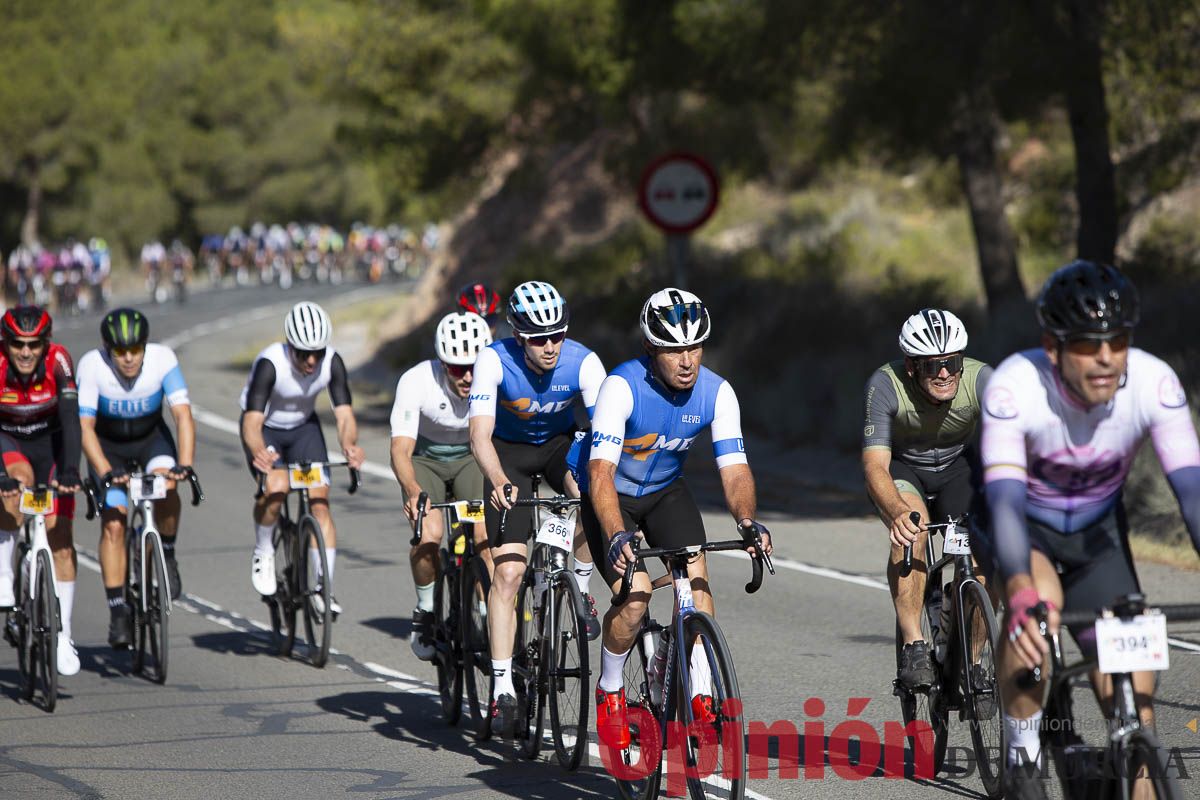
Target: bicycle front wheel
(529, 651)
(568, 674)
(981, 691)
(637, 777)
(283, 604)
(926, 706)
(151, 632)
(716, 704)
(311, 566)
(448, 654)
(22, 623)
(1146, 770)
(45, 629)
(477, 654)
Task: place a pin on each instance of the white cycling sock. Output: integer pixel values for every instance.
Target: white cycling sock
(425, 596)
(502, 675)
(611, 670)
(262, 540)
(1024, 739)
(701, 675)
(315, 561)
(66, 604)
(8, 540)
(583, 574)
(330, 559)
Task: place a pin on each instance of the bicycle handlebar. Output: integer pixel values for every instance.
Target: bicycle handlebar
(354, 474)
(97, 494)
(424, 506)
(559, 501)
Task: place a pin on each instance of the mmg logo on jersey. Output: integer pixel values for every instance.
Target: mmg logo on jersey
(643, 447)
(525, 408)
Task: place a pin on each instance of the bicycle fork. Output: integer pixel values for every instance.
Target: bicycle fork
(148, 529)
(29, 563)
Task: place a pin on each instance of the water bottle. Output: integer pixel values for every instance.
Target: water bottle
(656, 670)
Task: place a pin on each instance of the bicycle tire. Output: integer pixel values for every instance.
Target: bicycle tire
(1145, 751)
(528, 670)
(477, 654)
(925, 706)
(723, 682)
(22, 622)
(134, 589)
(46, 632)
(568, 675)
(154, 623)
(637, 700)
(284, 603)
(317, 622)
(447, 655)
(982, 703)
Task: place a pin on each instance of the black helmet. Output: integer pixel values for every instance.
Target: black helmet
(124, 327)
(1087, 297)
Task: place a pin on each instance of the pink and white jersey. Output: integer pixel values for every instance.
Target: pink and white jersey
(1074, 459)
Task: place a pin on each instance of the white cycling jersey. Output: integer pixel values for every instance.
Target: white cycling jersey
(1075, 459)
(293, 397)
(128, 409)
(428, 410)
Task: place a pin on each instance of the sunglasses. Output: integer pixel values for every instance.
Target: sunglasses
(540, 341)
(304, 355)
(932, 367)
(676, 313)
(1090, 345)
(26, 344)
(458, 370)
(126, 351)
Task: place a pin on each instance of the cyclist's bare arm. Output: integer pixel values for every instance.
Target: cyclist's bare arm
(91, 446)
(252, 425)
(737, 481)
(185, 426)
(602, 491)
(403, 448)
(883, 492)
(480, 428)
(347, 432)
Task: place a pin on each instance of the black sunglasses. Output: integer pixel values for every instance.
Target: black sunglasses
(932, 367)
(540, 341)
(303, 355)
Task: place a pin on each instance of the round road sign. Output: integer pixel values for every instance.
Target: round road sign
(678, 192)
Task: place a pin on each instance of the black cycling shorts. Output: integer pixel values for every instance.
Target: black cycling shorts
(521, 462)
(668, 517)
(954, 489)
(303, 444)
(1094, 565)
(151, 452)
(44, 452)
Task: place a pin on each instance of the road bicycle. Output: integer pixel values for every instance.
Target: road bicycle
(1130, 637)
(34, 622)
(300, 565)
(659, 681)
(958, 621)
(455, 652)
(147, 587)
(550, 648)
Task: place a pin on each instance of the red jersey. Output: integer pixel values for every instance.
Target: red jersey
(29, 407)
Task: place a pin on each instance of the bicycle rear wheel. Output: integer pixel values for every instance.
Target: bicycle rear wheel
(982, 693)
(713, 675)
(448, 653)
(637, 778)
(1146, 767)
(21, 622)
(151, 632)
(529, 663)
(477, 654)
(567, 674)
(284, 604)
(45, 632)
(310, 564)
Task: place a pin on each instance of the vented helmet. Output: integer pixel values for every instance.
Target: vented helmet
(460, 337)
(537, 308)
(30, 322)
(675, 318)
(479, 298)
(1086, 297)
(932, 332)
(307, 326)
(124, 327)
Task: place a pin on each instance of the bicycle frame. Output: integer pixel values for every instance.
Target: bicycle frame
(39, 541)
(146, 506)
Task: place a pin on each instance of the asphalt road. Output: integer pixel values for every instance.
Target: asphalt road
(235, 721)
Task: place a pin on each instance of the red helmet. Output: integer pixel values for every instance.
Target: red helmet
(478, 298)
(27, 321)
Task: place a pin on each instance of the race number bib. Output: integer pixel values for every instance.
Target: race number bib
(469, 510)
(1132, 645)
(311, 478)
(556, 532)
(958, 542)
(37, 502)
(149, 487)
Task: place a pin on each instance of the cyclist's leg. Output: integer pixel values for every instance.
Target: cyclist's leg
(266, 512)
(20, 470)
(112, 547)
(158, 455)
(468, 485)
(908, 592)
(558, 475)
(423, 556)
(620, 623)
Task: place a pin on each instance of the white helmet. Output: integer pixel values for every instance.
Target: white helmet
(461, 336)
(536, 307)
(307, 326)
(675, 318)
(932, 332)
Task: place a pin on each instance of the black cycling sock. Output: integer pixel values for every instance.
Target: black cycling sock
(168, 547)
(116, 597)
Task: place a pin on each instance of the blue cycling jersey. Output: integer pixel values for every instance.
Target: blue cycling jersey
(652, 428)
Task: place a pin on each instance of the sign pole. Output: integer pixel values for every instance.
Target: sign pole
(679, 253)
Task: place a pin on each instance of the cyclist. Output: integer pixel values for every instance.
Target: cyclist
(649, 412)
(481, 299)
(121, 391)
(521, 420)
(922, 416)
(431, 451)
(1063, 423)
(279, 426)
(39, 411)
